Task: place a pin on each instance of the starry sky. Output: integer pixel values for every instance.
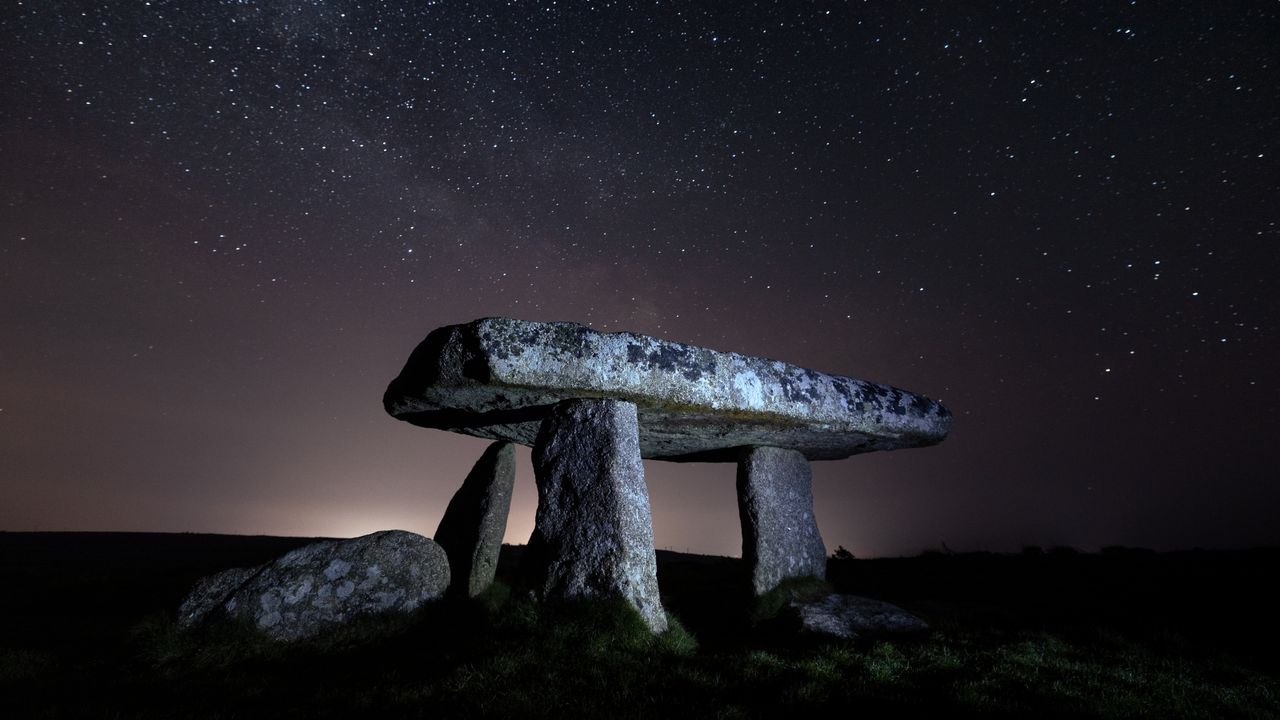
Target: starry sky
(225, 225)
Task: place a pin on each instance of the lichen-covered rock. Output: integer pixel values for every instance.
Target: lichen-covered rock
(852, 617)
(211, 592)
(497, 378)
(593, 536)
(324, 584)
(775, 504)
(473, 525)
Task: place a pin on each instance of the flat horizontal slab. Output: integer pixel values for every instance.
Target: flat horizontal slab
(498, 377)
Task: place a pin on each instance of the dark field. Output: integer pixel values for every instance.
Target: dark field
(87, 631)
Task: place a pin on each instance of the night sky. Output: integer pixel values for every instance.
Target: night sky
(224, 226)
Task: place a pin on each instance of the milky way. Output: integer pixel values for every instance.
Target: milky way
(224, 226)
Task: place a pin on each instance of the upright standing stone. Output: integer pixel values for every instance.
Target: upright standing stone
(473, 525)
(779, 532)
(593, 536)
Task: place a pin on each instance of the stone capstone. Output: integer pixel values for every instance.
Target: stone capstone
(852, 617)
(322, 585)
(775, 504)
(473, 525)
(497, 378)
(593, 536)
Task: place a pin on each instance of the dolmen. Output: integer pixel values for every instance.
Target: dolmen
(592, 405)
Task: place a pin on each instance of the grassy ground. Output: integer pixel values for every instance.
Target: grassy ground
(86, 630)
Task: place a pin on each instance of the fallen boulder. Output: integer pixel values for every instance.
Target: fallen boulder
(323, 585)
(852, 617)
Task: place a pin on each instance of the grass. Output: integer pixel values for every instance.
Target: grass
(765, 608)
(104, 644)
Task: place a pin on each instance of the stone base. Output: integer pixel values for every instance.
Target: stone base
(780, 537)
(593, 536)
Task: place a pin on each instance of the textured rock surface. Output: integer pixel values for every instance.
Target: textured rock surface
(473, 525)
(593, 536)
(497, 378)
(775, 504)
(853, 617)
(321, 585)
(210, 593)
